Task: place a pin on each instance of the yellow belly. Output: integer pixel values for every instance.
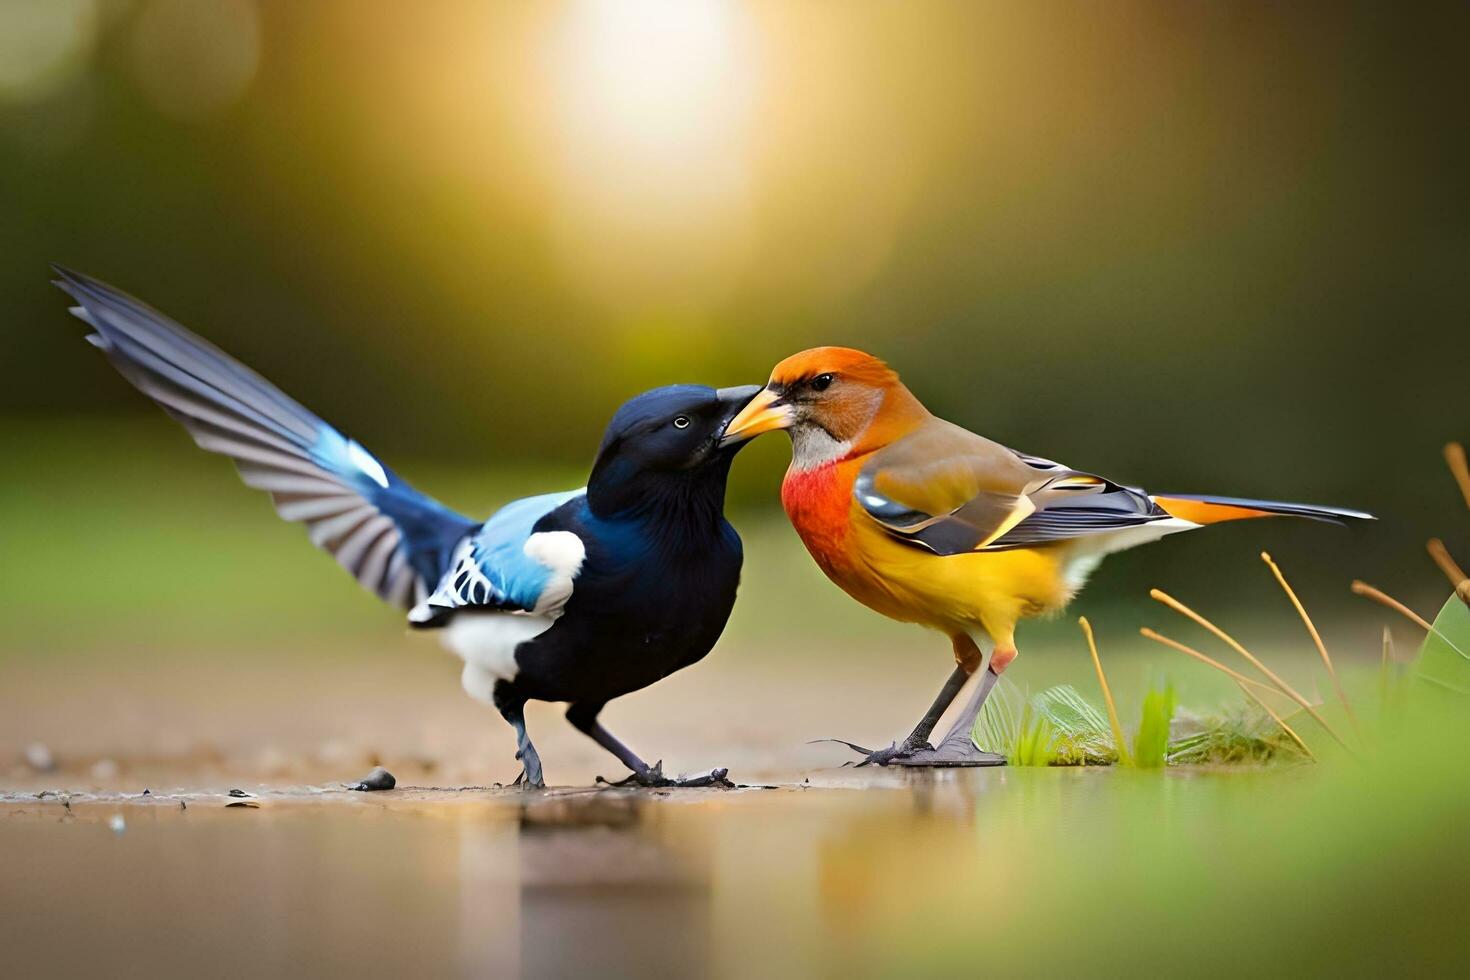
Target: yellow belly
(991, 590)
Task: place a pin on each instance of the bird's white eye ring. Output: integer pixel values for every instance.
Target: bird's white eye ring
(682, 422)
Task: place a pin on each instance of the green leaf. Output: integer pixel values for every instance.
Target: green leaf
(1444, 660)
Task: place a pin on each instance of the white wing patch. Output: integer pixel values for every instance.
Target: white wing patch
(466, 584)
(365, 462)
(562, 552)
(486, 641)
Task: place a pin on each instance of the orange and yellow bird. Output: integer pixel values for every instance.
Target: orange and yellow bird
(929, 523)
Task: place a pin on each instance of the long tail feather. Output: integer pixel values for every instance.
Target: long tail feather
(1200, 509)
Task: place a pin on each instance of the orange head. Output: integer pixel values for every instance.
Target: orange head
(834, 401)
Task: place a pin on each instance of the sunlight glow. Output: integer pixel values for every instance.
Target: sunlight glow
(193, 58)
(651, 76)
(653, 99)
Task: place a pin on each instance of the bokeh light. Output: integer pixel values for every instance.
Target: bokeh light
(651, 148)
(193, 58)
(43, 44)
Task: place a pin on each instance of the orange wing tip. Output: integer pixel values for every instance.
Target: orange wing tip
(1204, 512)
(1214, 510)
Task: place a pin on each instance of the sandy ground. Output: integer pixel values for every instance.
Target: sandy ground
(567, 882)
(447, 874)
(200, 725)
(834, 871)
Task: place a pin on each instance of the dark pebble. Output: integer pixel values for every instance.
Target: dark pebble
(379, 778)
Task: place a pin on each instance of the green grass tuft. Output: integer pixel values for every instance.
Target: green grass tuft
(1083, 735)
(1057, 727)
(1010, 724)
(1246, 736)
(1151, 742)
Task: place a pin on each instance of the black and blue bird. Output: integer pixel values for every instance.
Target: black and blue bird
(577, 597)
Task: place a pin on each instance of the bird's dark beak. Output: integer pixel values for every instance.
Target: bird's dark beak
(732, 401)
(763, 413)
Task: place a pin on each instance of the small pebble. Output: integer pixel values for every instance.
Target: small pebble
(118, 824)
(239, 793)
(379, 778)
(39, 757)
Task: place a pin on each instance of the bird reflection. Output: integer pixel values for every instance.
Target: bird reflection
(590, 882)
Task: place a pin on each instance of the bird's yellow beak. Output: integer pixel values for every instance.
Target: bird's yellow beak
(764, 413)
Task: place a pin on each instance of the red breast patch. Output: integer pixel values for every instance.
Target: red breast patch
(819, 503)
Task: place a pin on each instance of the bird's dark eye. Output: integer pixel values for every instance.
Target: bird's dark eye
(682, 422)
(822, 382)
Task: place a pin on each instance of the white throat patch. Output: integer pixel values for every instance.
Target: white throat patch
(812, 446)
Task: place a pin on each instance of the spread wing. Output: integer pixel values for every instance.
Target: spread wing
(950, 491)
(394, 540)
(523, 560)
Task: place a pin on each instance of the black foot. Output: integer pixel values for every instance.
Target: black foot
(654, 777)
(956, 751)
(882, 757)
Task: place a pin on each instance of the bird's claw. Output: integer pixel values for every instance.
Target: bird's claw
(653, 778)
(531, 776)
(523, 781)
(894, 754)
(842, 741)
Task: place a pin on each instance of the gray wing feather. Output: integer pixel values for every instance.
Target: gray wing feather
(391, 538)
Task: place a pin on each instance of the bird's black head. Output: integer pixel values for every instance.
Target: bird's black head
(665, 443)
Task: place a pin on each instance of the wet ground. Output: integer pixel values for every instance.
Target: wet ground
(803, 879)
(833, 871)
(470, 878)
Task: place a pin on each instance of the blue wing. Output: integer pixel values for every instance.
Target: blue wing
(515, 563)
(391, 538)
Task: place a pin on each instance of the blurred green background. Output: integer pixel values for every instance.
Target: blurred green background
(1208, 247)
(1199, 246)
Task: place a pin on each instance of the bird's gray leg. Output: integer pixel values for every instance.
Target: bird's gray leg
(583, 717)
(919, 737)
(958, 748)
(952, 687)
(512, 707)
